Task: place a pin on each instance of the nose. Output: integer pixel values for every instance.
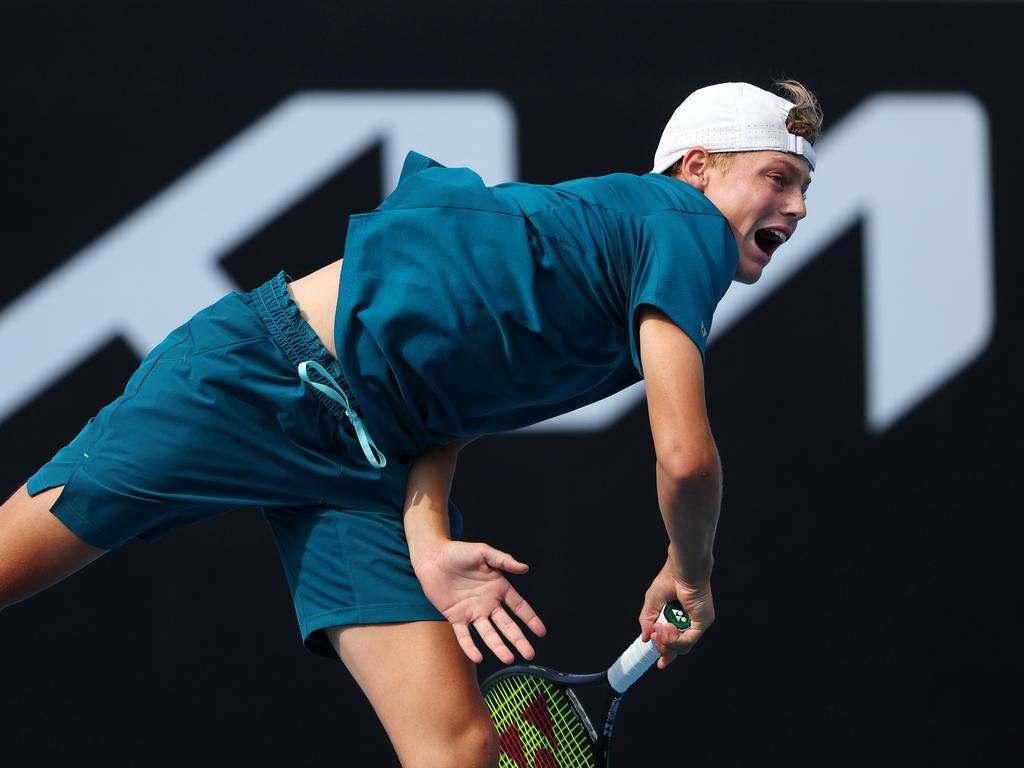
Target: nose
(796, 206)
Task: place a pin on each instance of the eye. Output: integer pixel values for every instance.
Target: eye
(777, 179)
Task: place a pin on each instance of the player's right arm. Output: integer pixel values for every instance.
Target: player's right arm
(689, 478)
(463, 580)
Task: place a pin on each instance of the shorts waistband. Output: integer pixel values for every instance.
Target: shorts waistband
(304, 350)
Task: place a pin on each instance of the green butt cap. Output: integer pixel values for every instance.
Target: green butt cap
(675, 614)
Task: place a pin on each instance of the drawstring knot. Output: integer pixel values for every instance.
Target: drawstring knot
(373, 455)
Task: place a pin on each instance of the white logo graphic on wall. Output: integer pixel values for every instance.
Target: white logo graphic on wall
(928, 285)
(168, 250)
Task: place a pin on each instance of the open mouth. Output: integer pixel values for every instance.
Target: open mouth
(769, 239)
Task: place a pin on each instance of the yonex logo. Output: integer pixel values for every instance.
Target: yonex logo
(703, 330)
(613, 710)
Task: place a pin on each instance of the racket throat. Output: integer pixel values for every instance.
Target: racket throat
(581, 713)
(611, 711)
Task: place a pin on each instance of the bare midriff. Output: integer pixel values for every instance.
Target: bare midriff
(316, 296)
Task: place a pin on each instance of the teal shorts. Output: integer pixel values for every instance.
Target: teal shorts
(217, 417)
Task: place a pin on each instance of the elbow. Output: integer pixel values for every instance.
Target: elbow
(691, 468)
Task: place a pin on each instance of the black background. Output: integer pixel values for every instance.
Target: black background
(868, 603)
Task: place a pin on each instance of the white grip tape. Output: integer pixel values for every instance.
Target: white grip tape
(632, 664)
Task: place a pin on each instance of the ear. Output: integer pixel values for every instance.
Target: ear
(694, 168)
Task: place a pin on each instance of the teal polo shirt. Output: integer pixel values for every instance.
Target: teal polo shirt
(466, 309)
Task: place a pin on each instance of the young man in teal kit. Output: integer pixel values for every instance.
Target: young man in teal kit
(338, 403)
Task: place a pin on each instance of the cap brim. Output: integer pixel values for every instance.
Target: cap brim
(663, 165)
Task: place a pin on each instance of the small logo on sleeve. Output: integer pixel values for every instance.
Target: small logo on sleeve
(703, 329)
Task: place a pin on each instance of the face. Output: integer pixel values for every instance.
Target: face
(761, 195)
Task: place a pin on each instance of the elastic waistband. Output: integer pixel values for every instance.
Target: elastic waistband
(298, 339)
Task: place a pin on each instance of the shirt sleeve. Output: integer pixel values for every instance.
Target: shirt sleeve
(681, 268)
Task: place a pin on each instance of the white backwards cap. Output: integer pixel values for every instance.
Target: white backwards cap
(730, 117)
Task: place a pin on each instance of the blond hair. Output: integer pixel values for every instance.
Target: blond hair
(804, 119)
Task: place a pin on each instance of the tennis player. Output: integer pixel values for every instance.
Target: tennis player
(338, 403)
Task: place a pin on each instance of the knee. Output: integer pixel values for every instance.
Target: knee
(473, 746)
(476, 747)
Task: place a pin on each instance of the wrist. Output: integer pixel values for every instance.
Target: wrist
(693, 572)
(425, 543)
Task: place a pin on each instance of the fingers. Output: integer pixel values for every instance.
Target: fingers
(646, 629)
(648, 617)
(522, 610)
(668, 638)
(495, 558)
(511, 630)
(507, 627)
(466, 642)
(503, 561)
(671, 642)
(649, 614)
(492, 639)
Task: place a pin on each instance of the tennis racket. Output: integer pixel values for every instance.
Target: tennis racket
(540, 719)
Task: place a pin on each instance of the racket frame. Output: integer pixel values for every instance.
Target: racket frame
(639, 656)
(567, 682)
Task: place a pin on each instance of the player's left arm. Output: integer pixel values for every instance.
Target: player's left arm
(689, 480)
(463, 580)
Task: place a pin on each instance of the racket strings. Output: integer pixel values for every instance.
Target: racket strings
(537, 725)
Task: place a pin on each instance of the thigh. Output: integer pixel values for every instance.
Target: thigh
(214, 418)
(422, 687)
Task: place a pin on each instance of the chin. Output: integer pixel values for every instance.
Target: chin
(748, 274)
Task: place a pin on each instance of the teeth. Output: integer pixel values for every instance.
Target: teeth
(783, 237)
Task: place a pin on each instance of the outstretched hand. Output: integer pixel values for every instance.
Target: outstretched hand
(464, 581)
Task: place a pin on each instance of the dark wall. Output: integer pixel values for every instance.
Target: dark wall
(867, 601)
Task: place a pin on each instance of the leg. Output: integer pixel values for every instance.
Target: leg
(424, 691)
(36, 549)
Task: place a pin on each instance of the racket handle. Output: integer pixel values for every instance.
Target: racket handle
(640, 655)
